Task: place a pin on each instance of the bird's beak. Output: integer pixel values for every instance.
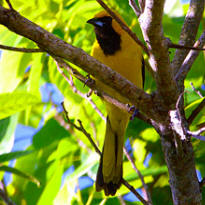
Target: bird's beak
(95, 22)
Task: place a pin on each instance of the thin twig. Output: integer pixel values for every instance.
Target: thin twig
(147, 193)
(196, 133)
(4, 195)
(10, 6)
(173, 45)
(82, 129)
(75, 90)
(124, 26)
(133, 190)
(196, 111)
(197, 91)
(25, 50)
(134, 7)
(142, 4)
(122, 202)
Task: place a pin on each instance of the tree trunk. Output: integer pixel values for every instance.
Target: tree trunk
(182, 173)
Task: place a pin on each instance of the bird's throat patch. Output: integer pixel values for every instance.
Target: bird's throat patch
(109, 40)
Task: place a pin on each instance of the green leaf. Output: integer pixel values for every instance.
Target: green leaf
(148, 172)
(11, 103)
(52, 186)
(189, 108)
(8, 127)
(19, 173)
(34, 76)
(12, 68)
(51, 132)
(84, 167)
(13, 155)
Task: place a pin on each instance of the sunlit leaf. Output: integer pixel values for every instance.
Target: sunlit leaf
(11, 103)
(52, 187)
(7, 128)
(12, 68)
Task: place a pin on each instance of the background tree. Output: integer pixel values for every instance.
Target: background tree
(58, 164)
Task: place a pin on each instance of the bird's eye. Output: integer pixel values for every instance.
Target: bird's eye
(99, 23)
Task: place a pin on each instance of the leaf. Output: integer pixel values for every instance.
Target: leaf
(20, 173)
(148, 172)
(84, 167)
(52, 186)
(13, 155)
(63, 151)
(11, 103)
(174, 8)
(51, 131)
(34, 76)
(8, 127)
(12, 67)
(189, 108)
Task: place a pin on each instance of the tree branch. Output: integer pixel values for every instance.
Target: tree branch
(189, 60)
(75, 90)
(82, 129)
(25, 50)
(91, 84)
(9, 3)
(173, 45)
(196, 91)
(4, 195)
(151, 24)
(133, 190)
(147, 193)
(189, 31)
(196, 133)
(142, 4)
(196, 112)
(134, 7)
(57, 47)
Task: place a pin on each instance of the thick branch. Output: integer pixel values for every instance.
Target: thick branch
(57, 47)
(182, 175)
(151, 24)
(91, 84)
(189, 31)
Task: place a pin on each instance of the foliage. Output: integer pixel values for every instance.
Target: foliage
(59, 165)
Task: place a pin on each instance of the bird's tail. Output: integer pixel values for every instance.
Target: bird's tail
(109, 175)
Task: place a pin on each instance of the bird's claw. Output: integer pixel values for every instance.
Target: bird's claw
(135, 112)
(88, 80)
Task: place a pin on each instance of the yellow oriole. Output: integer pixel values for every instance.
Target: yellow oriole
(116, 49)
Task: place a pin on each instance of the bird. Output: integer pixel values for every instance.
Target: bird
(116, 49)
